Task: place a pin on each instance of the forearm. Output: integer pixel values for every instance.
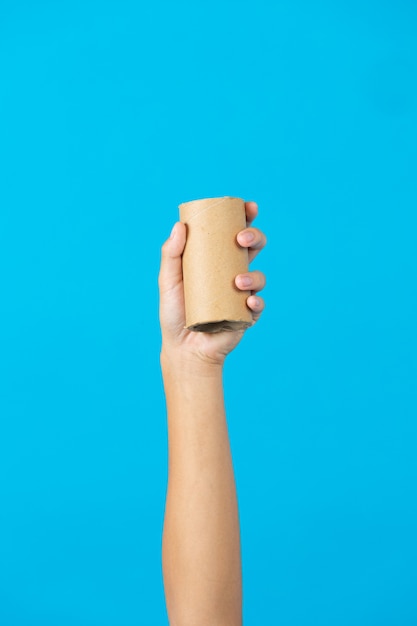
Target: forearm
(201, 546)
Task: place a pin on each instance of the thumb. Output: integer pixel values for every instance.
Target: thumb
(170, 273)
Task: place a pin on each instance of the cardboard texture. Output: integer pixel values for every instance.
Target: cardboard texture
(211, 261)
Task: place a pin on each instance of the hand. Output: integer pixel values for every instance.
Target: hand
(177, 341)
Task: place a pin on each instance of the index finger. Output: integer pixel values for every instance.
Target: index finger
(251, 209)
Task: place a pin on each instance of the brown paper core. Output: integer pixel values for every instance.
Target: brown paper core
(211, 261)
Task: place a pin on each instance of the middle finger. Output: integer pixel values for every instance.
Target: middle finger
(253, 239)
(251, 281)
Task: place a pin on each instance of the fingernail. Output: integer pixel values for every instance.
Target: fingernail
(248, 237)
(257, 302)
(172, 232)
(245, 281)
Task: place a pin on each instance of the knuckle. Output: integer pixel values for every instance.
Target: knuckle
(261, 278)
(164, 249)
(260, 238)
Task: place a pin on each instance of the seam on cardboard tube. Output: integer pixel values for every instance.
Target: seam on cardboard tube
(210, 206)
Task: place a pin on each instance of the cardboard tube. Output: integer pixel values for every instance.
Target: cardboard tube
(211, 261)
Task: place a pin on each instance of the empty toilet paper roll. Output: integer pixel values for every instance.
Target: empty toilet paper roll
(211, 261)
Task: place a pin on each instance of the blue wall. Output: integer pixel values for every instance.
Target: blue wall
(111, 114)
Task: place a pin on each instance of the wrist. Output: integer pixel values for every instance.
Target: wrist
(176, 362)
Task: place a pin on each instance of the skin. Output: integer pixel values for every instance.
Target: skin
(200, 544)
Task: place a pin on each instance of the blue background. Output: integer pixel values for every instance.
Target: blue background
(111, 114)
